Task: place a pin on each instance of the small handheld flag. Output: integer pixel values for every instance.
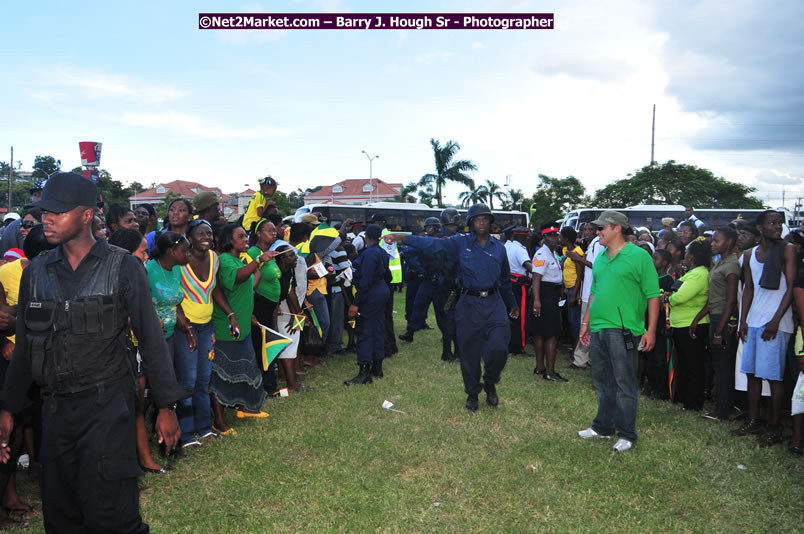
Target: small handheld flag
(273, 343)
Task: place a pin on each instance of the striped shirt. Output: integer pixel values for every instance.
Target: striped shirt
(197, 304)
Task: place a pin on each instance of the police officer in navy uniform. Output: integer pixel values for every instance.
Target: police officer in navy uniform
(485, 304)
(75, 304)
(371, 277)
(432, 290)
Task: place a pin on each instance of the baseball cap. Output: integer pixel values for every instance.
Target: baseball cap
(11, 217)
(13, 254)
(205, 199)
(373, 231)
(612, 217)
(378, 217)
(65, 191)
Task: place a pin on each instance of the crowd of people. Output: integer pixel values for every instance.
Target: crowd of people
(108, 316)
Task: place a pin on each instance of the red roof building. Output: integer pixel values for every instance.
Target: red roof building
(354, 192)
(184, 188)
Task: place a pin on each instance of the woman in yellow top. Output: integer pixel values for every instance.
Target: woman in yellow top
(690, 343)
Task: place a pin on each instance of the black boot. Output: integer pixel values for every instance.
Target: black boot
(471, 403)
(491, 395)
(363, 377)
(376, 369)
(446, 353)
(407, 336)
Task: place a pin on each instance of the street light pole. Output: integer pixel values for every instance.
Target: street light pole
(371, 178)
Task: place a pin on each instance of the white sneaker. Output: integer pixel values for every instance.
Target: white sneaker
(192, 444)
(590, 433)
(622, 445)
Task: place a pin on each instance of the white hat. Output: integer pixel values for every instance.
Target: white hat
(11, 217)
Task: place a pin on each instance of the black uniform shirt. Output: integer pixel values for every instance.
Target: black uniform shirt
(134, 301)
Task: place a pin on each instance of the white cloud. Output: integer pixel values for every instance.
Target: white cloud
(478, 44)
(190, 125)
(432, 57)
(772, 177)
(102, 85)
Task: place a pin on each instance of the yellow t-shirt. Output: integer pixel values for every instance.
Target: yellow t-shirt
(570, 274)
(319, 283)
(10, 275)
(251, 216)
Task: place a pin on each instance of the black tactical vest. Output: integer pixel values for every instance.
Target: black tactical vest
(78, 343)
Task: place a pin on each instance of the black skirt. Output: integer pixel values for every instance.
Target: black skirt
(549, 321)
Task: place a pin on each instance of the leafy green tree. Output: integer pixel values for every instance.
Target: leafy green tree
(296, 199)
(473, 195)
(44, 166)
(554, 197)
(489, 191)
(676, 183)
(446, 169)
(283, 203)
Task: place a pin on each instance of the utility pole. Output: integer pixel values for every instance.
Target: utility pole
(10, 179)
(652, 134)
(783, 197)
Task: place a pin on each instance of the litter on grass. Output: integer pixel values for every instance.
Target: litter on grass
(388, 405)
(741, 467)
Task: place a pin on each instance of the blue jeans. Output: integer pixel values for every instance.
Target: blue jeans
(319, 302)
(336, 314)
(193, 370)
(614, 373)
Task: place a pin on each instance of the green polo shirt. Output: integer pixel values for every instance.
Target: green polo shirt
(622, 285)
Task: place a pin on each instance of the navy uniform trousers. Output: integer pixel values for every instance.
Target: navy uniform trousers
(371, 324)
(483, 333)
(411, 289)
(435, 292)
(89, 461)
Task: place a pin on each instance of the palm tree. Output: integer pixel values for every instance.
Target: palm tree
(473, 195)
(405, 194)
(446, 169)
(513, 200)
(489, 191)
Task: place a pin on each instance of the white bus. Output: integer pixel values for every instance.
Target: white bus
(651, 216)
(400, 216)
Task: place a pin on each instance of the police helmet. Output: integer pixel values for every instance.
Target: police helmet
(432, 221)
(478, 209)
(450, 216)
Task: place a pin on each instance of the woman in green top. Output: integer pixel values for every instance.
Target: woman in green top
(685, 303)
(171, 249)
(266, 294)
(236, 379)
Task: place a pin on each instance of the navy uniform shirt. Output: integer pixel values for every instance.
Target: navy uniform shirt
(370, 268)
(133, 300)
(479, 268)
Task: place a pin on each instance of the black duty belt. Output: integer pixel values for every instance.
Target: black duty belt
(483, 293)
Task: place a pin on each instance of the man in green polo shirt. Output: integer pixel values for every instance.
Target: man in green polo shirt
(625, 283)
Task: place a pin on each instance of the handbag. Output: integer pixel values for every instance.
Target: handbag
(798, 396)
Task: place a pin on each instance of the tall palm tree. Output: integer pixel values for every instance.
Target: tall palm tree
(447, 169)
(513, 200)
(489, 191)
(473, 195)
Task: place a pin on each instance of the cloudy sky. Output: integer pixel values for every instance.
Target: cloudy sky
(169, 101)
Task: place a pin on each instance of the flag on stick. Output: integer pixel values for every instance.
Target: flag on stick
(273, 343)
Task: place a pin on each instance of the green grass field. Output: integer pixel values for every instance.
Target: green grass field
(334, 460)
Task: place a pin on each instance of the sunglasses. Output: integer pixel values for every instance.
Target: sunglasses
(28, 224)
(198, 222)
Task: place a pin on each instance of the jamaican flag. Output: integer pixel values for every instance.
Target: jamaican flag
(273, 343)
(316, 324)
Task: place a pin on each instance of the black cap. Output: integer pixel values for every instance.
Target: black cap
(65, 191)
(378, 217)
(373, 231)
(508, 229)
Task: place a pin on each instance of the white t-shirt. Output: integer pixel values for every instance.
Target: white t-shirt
(517, 256)
(591, 253)
(766, 301)
(546, 264)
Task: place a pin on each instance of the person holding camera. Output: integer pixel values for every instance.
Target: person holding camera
(624, 285)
